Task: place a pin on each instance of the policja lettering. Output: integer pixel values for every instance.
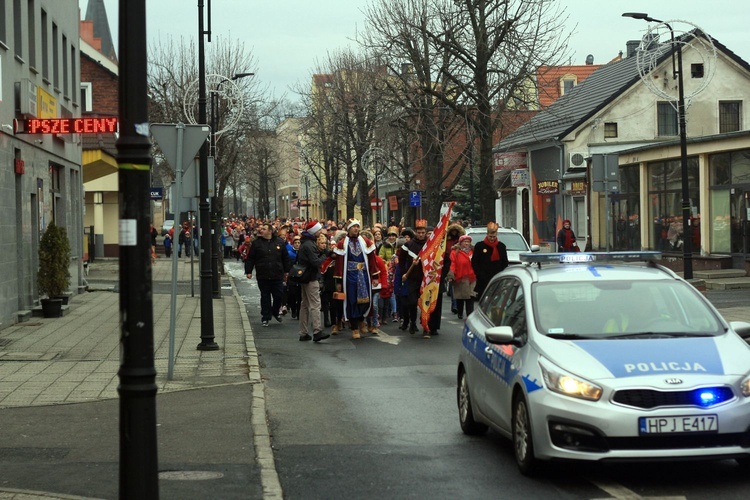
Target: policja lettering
(664, 366)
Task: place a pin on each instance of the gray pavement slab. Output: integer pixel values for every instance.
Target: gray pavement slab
(59, 406)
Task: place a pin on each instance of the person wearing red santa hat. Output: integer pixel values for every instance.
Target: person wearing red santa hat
(310, 256)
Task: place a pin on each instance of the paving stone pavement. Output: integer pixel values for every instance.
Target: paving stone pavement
(75, 358)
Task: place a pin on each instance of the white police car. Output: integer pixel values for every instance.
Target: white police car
(590, 356)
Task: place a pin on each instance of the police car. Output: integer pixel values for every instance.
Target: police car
(604, 357)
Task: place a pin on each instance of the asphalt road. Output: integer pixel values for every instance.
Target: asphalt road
(377, 418)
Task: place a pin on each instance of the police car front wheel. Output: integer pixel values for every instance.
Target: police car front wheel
(523, 444)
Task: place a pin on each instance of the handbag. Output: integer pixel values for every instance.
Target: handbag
(300, 273)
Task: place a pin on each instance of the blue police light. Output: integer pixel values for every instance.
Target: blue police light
(707, 397)
(584, 257)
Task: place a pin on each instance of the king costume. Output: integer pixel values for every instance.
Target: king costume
(356, 270)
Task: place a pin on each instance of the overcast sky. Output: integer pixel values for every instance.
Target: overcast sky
(287, 37)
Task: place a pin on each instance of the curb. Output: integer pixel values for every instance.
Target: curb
(269, 476)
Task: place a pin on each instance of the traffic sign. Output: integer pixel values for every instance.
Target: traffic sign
(376, 203)
(415, 199)
(165, 134)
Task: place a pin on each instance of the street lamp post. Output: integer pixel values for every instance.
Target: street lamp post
(215, 215)
(208, 342)
(687, 240)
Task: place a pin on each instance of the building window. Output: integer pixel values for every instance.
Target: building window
(73, 72)
(729, 116)
(32, 34)
(17, 29)
(45, 48)
(3, 32)
(65, 73)
(55, 58)
(665, 193)
(666, 119)
(625, 210)
(87, 99)
(610, 130)
(696, 70)
(566, 85)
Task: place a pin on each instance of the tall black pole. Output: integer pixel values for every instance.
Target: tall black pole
(687, 230)
(215, 214)
(137, 389)
(207, 308)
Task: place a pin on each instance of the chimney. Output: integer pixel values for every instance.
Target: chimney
(632, 47)
(589, 60)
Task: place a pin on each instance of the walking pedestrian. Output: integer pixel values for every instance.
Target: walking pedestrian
(411, 274)
(292, 293)
(462, 276)
(358, 274)
(566, 238)
(310, 256)
(269, 257)
(490, 257)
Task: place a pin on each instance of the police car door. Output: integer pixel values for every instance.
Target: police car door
(495, 360)
(506, 359)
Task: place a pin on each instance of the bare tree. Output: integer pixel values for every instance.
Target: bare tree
(462, 63)
(342, 108)
(418, 72)
(172, 82)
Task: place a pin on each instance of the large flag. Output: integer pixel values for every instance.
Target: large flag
(431, 257)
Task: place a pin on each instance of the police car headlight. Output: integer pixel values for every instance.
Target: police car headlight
(745, 386)
(565, 383)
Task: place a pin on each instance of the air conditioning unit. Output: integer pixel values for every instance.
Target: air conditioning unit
(27, 98)
(577, 159)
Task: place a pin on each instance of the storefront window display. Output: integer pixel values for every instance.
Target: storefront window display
(729, 176)
(626, 211)
(665, 210)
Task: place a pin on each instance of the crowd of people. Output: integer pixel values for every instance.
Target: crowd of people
(356, 279)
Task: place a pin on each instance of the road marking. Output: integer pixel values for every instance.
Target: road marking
(620, 492)
(384, 337)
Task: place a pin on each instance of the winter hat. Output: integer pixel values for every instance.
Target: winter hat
(464, 238)
(352, 222)
(313, 226)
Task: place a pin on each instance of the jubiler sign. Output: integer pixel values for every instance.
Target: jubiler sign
(66, 126)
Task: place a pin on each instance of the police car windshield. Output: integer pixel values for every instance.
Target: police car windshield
(625, 309)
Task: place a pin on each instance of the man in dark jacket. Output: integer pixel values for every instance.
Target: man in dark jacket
(411, 274)
(310, 256)
(490, 257)
(268, 256)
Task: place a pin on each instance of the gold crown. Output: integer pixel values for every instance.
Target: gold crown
(421, 223)
(492, 226)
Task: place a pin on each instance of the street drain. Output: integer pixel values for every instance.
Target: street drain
(189, 475)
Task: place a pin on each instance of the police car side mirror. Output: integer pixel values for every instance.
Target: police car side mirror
(501, 335)
(535, 248)
(742, 329)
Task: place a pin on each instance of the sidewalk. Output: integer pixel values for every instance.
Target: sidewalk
(75, 359)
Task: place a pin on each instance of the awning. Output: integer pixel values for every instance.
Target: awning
(97, 164)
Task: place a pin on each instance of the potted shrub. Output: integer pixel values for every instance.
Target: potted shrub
(54, 276)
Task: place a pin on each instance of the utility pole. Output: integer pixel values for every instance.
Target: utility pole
(207, 308)
(137, 388)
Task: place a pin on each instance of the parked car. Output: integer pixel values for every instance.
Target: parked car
(513, 240)
(583, 356)
(167, 226)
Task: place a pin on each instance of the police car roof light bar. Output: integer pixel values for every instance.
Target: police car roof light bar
(584, 257)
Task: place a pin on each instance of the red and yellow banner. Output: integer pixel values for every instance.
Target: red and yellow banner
(431, 257)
